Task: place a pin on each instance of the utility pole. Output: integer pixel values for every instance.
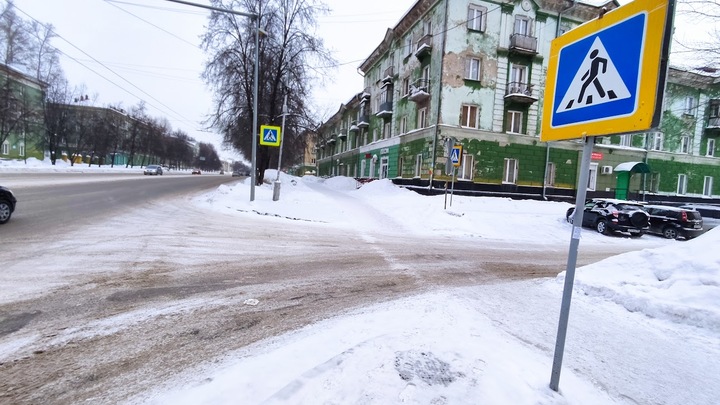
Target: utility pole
(255, 133)
(276, 185)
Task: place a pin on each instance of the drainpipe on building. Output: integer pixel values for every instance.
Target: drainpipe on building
(547, 145)
(437, 118)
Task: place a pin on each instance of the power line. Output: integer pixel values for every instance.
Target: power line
(110, 70)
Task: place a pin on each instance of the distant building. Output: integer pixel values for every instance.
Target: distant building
(475, 72)
(21, 117)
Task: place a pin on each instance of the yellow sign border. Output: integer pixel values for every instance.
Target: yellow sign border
(650, 90)
(460, 155)
(262, 131)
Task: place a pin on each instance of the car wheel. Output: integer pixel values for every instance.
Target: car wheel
(670, 233)
(4, 212)
(602, 227)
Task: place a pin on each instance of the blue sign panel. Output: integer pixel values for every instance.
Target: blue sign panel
(599, 76)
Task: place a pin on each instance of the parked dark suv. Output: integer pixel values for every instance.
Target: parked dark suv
(710, 214)
(7, 204)
(611, 215)
(674, 222)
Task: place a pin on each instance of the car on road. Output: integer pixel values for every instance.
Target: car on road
(196, 171)
(7, 204)
(607, 215)
(153, 170)
(238, 173)
(674, 222)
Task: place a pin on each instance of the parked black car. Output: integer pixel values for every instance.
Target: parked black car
(710, 214)
(674, 222)
(7, 204)
(611, 215)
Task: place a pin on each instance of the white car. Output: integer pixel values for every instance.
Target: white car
(153, 170)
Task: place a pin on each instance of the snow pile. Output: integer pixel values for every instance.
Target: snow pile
(680, 283)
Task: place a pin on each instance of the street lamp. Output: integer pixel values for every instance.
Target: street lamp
(255, 134)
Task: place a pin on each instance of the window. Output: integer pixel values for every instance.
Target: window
(518, 80)
(654, 182)
(403, 125)
(514, 122)
(522, 25)
(363, 164)
(427, 27)
(387, 130)
(5, 148)
(476, 18)
(469, 117)
(592, 177)
(405, 86)
(714, 109)
(472, 69)
(422, 118)
(510, 171)
(375, 134)
(710, 148)
(426, 74)
(408, 45)
(682, 184)
(690, 106)
(625, 140)
(466, 167)
(22, 149)
(418, 164)
(707, 186)
(685, 144)
(550, 174)
(656, 141)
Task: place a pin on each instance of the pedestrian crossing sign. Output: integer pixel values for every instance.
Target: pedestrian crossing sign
(456, 155)
(270, 135)
(607, 76)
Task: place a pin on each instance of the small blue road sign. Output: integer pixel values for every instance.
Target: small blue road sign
(270, 135)
(456, 155)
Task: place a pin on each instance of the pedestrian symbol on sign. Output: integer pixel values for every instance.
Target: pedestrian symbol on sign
(597, 81)
(456, 155)
(269, 135)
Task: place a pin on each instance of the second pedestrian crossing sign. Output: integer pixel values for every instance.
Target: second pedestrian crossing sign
(270, 135)
(607, 76)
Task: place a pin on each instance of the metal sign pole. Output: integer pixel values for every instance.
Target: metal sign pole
(571, 262)
(452, 189)
(276, 185)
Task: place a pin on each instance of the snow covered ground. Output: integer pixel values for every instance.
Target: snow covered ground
(644, 326)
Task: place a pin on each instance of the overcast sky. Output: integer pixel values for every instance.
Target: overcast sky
(124, 51)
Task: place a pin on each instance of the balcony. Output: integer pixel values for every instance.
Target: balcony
(331, 141)
(363, 121)
(387, 77)
(354, 126)
(365, 95)
(523, 44)
(385, 110)
(419, 91)
(714, 123)
(520, 93)
(342, 134)
(424, 46)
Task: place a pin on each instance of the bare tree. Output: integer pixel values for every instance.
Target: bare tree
(286, 54)
(14, 36)
(702, 47)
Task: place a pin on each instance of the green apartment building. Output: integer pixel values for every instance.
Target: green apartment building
(473, 73)
(21, 115)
